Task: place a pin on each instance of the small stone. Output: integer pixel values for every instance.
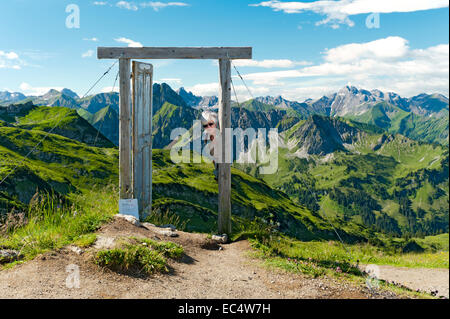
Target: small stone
(76, 250)
(131, 219)
(148, 225)
(172, 227)
(8, 255)
(220, 248)
(220, 238)
(168, 233)
(103, 242)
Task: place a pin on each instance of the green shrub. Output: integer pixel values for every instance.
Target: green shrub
(86, 240)
(168, 249)
(132, 258)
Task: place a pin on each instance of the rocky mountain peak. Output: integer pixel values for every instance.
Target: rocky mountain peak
(190, 99)
(70, 93)
(321, 135)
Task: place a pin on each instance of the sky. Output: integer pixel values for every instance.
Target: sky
(300, 49)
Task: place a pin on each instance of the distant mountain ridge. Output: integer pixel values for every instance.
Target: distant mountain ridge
(7, 97)
(422, 117)
(198, 101)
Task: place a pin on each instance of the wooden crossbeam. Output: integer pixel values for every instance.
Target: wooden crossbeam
(175, 53)
(128, 133)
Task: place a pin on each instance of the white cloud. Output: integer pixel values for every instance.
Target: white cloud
(129, 42)
(94, 39)
(283, 63)
(272, 78)
(387, 48)
(157, 5)
(172, 81)
(10, 60)
(387, 64)
(108, 89)
(205, 89)
(27, 89)
(127, 5)
(88, 54)
(210, 89)
(9, 55)
(38, 55)
(338, 12)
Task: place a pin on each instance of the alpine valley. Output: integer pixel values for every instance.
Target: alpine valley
(372, 162)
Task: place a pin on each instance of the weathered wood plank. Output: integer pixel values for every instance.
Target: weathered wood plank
(175, 53)
(125, 166)
(142, 135)
(224, 211)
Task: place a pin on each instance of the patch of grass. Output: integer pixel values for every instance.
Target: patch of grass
(139, 256)
(167, 248)
(86, 240)
(282, 253)
(132, 258)
(332, 254)
(52, 225)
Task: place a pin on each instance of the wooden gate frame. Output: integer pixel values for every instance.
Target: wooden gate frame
(224, 55)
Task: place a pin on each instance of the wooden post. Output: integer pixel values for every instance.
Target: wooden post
(125, 166)
(224, 211)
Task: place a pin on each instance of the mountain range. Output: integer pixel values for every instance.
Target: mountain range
(423, 117)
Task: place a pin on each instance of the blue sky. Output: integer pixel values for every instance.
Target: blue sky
(300, 49)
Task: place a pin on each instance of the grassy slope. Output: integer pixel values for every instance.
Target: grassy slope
(190, 191)
(169, 117)
(395, 120)
(376, 172)
(59, 164)
(68, 123)
(85, 114)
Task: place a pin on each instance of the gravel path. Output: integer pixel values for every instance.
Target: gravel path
(202, 273)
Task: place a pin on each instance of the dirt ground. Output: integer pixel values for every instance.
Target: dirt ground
(203, 273)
